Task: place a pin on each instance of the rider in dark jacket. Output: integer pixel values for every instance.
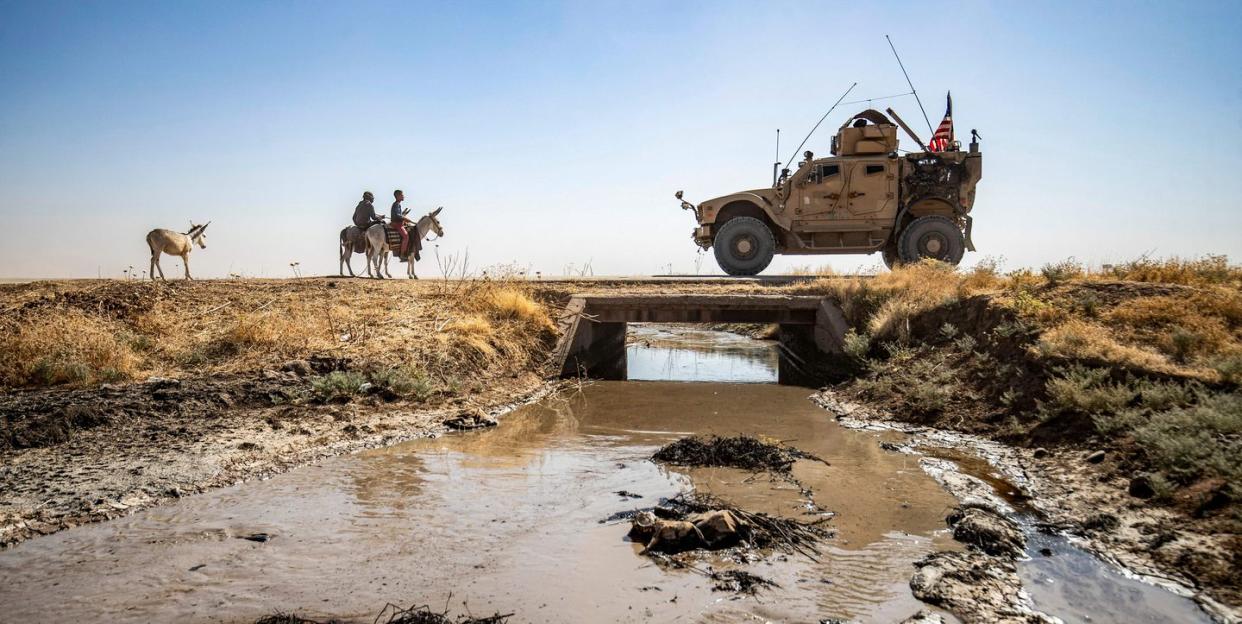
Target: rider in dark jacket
(364, 213)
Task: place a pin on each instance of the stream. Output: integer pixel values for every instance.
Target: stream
(515, 520)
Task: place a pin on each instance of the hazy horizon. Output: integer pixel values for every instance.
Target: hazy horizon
(554, 134)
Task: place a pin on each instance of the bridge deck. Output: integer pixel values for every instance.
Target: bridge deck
(783, 309)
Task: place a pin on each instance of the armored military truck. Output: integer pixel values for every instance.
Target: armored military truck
(865, 198)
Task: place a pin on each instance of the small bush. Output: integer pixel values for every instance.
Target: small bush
(403, 382)
(1086, 390)
(1229, 367)
(338, 386)
(1063, 271)
(1200, 441)
(1183, 343)
(857, 345)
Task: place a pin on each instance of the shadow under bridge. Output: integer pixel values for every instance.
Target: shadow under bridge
(593, 329)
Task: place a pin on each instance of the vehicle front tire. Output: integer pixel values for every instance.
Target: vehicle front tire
(931, 237)
(889, 254)
(744, 246)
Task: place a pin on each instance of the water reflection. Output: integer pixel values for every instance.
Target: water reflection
(677, 353)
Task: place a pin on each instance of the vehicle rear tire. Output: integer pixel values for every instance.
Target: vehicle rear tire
(931, 237)
(744, 246)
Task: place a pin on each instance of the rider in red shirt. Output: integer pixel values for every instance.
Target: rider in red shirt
(398, 221)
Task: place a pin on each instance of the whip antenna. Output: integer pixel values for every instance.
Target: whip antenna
(911, 84)
(821, 120)
(776, 163)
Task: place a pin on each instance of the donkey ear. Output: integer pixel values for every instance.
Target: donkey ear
(437, 211)
(206, 224)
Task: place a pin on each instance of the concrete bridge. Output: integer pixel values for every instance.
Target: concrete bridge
(593, 327)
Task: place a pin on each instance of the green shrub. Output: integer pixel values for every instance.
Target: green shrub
(1203, 440)
(1229, 367)
(1085, 390)
(856, 345)
(338, 385)
(404, 382)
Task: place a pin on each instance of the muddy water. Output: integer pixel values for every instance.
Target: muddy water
(506, 520)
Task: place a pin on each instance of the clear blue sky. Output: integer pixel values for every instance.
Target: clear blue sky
(556, 133)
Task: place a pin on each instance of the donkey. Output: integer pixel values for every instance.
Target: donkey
(377, 243)
(353, 241)
(175, 244)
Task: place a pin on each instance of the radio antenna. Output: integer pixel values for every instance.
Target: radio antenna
(821, 120)
(911, 84)
(777, 162)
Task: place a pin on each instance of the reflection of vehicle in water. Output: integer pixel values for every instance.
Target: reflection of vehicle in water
(865, 198)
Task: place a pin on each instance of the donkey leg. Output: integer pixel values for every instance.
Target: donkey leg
(152, 271)
(409, 269)
(386, 271)
(156, 260)
(185, 260)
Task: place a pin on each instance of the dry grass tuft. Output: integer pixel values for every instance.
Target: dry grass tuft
(1207, 270)
(509, 302)
(1082, 340)
(67, 347)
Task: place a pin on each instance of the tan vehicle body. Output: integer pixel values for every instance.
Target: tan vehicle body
(857, 201)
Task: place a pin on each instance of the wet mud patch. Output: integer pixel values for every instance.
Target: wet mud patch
(745, 452)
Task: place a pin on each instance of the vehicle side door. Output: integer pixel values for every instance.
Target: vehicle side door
(823, 193)
(872, 187)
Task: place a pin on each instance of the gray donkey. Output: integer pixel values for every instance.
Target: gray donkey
(175, 244)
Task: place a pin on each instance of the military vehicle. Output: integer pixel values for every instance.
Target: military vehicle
(865, 198)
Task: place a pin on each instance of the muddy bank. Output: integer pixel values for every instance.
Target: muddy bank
(1118, 394)
(1059, 491)
(81, 456)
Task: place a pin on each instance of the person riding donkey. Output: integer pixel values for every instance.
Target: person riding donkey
(398, 221)
(364, 212)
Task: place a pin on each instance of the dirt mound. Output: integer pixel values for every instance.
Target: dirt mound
(742, 452)
(975, 587)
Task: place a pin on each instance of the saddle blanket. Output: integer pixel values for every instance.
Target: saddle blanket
(394, 241)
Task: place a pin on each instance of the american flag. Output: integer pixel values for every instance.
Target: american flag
(943, 138)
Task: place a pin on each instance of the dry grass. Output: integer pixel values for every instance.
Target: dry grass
(1204, 271)
(1080, 340)
(83, 333)
(67, 347)
(1174, 316)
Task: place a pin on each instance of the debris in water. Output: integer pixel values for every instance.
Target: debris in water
(735, 452)
(627, 494)
(719, 524)
(739, 581)
(395, 615)
(257, 537)
(467, 421)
